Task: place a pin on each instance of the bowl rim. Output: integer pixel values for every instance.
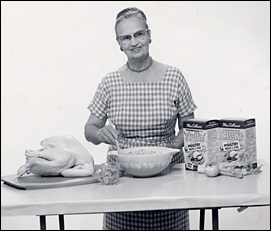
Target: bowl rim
(164, 151)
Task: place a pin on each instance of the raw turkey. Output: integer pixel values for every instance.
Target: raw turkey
(60, 155)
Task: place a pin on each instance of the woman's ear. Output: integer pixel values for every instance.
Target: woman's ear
(149, 33)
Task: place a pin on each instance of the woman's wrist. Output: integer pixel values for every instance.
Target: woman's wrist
(99, 136)
(179, 143)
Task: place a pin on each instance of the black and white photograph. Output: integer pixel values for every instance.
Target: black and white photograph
(135, 115)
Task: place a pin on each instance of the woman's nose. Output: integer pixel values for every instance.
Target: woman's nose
(134, 41)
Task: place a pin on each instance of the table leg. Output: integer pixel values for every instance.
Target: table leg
(201, 219)
(215, 218)
(42, 222)
(61, 222)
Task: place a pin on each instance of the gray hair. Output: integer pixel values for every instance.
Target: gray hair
(130, 12)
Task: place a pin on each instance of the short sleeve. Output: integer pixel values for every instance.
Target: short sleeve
(186, 104)
(99, 104)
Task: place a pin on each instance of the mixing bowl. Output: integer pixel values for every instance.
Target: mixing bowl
(144, 161)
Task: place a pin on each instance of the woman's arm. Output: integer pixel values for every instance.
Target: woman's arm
(96, 132)
(179, 140)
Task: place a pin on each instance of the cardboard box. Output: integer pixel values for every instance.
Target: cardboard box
(201, 142)
(238, 141)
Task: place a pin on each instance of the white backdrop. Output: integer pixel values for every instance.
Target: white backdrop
(53, 55)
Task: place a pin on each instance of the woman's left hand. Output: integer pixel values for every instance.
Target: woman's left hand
(176, 144)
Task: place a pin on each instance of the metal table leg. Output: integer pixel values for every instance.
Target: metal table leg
(61, 222)
(215, 218)
(201, 219)
(42, 222)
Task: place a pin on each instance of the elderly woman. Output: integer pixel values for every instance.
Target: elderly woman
(144, 99)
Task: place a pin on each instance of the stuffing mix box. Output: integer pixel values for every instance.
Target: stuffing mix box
(238, 141)
(201, 142)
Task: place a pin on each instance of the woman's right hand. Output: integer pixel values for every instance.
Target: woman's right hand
(107, 135)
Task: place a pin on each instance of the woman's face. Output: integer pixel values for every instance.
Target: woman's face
(130, 28)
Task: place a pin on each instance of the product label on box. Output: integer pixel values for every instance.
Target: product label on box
(238, 142)
(195, 146)
(231, 146)
(201, 142)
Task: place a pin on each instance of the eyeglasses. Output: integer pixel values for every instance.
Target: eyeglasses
(139, 36)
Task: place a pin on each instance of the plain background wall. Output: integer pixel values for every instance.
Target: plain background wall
(53, 55)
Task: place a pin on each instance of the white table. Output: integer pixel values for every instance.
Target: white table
(180, 189)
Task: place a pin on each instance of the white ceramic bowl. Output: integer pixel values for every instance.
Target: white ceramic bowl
(144, 161)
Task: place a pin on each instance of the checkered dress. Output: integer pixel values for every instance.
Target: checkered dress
(145, 114)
